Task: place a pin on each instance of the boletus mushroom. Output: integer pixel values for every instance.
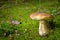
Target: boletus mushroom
(43, 24)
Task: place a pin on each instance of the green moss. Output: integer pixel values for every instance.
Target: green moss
(28, 28)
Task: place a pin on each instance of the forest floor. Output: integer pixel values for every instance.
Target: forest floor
(27, 29)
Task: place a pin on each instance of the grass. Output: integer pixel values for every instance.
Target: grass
(28, 29)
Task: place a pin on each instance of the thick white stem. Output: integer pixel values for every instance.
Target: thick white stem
(43, 28)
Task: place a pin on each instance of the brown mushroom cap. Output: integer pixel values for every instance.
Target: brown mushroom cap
(40, 16)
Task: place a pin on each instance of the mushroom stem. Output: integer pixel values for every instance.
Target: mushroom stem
(43, 28)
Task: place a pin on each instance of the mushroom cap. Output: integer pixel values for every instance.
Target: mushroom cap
(41, 16)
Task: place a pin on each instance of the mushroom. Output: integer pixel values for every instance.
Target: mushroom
(43, 24)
